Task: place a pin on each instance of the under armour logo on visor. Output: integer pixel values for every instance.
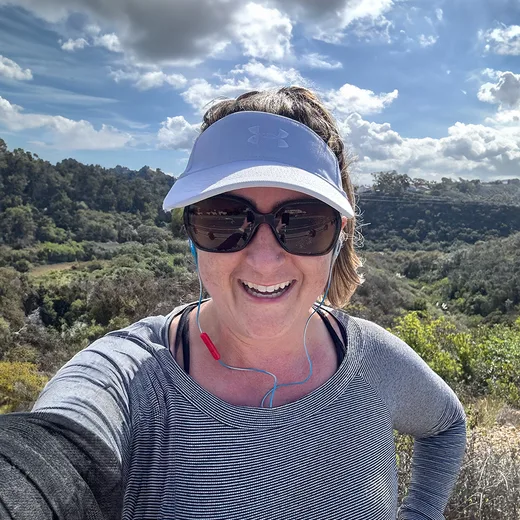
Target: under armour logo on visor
(257, 135)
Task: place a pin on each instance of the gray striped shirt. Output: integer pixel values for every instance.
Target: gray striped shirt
(186, 454)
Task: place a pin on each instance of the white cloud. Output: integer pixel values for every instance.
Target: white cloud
(108, 41)
(123, 75)
(263, 32)
(10, 69)
(503, 40)
(484, 151)
(370, 30)
(439, 14)
(148, 80)
(177, 134)
(476, 143)
(251, 76)
(92, 29)
(65, 134)
(157, 79)
(272, 74)
(505, 92)
(72, 45)
(317, 61)
(487, 151)
(201, 93)
(491, 73)
(349, 99)
(370, 139)
(331, 24)
(505, 117)
(427, 41)
(159, 31)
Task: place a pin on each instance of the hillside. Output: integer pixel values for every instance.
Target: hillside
(75, 212)
(474, 284)
(417, 221)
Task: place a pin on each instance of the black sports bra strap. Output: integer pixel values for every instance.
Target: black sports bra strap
(186, 346)
(338, 345)
(182, 338)
(342, 329)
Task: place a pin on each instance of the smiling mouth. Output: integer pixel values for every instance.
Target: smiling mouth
(267, 291)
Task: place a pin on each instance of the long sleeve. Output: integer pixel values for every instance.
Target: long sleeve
(435, 467)
(422, 405)
(65, 459)
(52, 468)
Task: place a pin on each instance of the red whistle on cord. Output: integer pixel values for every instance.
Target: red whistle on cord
(211, 347)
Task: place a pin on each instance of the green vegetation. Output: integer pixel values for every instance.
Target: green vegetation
(484, 361)
(401, 213)
(46, 319)
(73, 212)
(20, 384)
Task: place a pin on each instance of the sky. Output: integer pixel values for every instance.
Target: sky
(430, 88)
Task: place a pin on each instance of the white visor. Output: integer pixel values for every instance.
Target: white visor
(259, 149)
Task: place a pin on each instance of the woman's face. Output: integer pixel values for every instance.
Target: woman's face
(230, 278)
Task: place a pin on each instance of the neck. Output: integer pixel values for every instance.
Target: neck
(282, 353)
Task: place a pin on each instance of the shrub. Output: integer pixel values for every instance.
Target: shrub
(20, 384)
(437, 342)
(485, 361)
(497, 361)
(54, 253)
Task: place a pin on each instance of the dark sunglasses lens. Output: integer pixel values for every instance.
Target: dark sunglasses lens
(219, 224)
(308, 228)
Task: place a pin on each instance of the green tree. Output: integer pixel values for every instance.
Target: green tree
(17, 226)
(391, 183)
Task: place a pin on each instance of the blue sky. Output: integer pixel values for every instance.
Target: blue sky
(429, 88)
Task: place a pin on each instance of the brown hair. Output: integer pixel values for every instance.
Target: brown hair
(302, 105)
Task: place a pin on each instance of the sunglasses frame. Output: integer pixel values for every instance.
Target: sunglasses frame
(265, 218)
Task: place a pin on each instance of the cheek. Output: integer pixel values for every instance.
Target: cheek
(215, 270)
(316, 272)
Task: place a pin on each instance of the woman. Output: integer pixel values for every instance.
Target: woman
(258, 402)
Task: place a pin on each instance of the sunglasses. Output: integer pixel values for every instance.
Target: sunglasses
(227, 223)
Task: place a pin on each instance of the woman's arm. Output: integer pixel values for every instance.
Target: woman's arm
(53, 468)
(421, 404)
(435, 467)
(64, 460)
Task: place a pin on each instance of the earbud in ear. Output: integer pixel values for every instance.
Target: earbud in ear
(193, 252)
(337, 248)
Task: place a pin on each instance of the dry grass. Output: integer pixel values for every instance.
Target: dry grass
(488, 487)
(489, 484)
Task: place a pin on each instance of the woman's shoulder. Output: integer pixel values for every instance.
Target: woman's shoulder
(150, 332)
(367, 330)
(373, 342)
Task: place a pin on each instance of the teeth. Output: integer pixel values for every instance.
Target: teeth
(267, 288)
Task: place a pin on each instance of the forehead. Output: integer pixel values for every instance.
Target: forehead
(266, 199)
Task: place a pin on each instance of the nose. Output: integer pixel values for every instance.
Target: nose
(264, 252)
